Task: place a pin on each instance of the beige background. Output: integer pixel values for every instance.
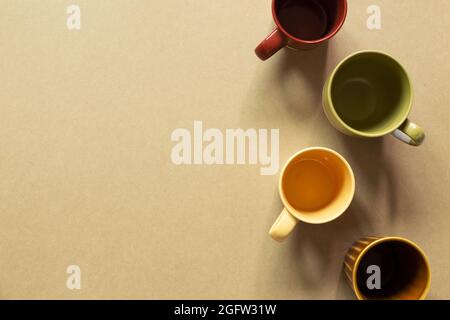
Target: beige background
(85, 170)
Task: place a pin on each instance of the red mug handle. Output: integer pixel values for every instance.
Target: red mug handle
(271, 45)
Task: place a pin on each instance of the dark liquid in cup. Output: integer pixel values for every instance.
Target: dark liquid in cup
(400, 268)
(304, 19)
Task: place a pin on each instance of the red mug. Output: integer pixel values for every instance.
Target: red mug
(302, 24)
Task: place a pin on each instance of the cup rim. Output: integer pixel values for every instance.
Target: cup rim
(302, 216)
(389, 130)
(292, 37)
(358, 293)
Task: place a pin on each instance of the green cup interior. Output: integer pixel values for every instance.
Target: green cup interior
(371, 93)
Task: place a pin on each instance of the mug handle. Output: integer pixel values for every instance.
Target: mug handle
(410, 133)
(271, 45)
(283, 226)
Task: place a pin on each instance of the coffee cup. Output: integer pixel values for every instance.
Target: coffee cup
(369, 95)
(302, 25)
(402, 266)
(316, 186)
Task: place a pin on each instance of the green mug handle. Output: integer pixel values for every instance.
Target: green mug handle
(410, 133)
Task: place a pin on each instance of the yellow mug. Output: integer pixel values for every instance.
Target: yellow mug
(403, 269)
(316, 186)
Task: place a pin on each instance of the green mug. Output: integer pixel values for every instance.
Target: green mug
(369, 94)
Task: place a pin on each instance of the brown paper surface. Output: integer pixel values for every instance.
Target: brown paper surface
(86, 176)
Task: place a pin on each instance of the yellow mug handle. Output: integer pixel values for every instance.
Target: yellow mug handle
(410, 133)
(283, 226)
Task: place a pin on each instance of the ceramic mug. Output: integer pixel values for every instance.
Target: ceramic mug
(302, 24)
(404, 269)
(369, 94)
(316, 186)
